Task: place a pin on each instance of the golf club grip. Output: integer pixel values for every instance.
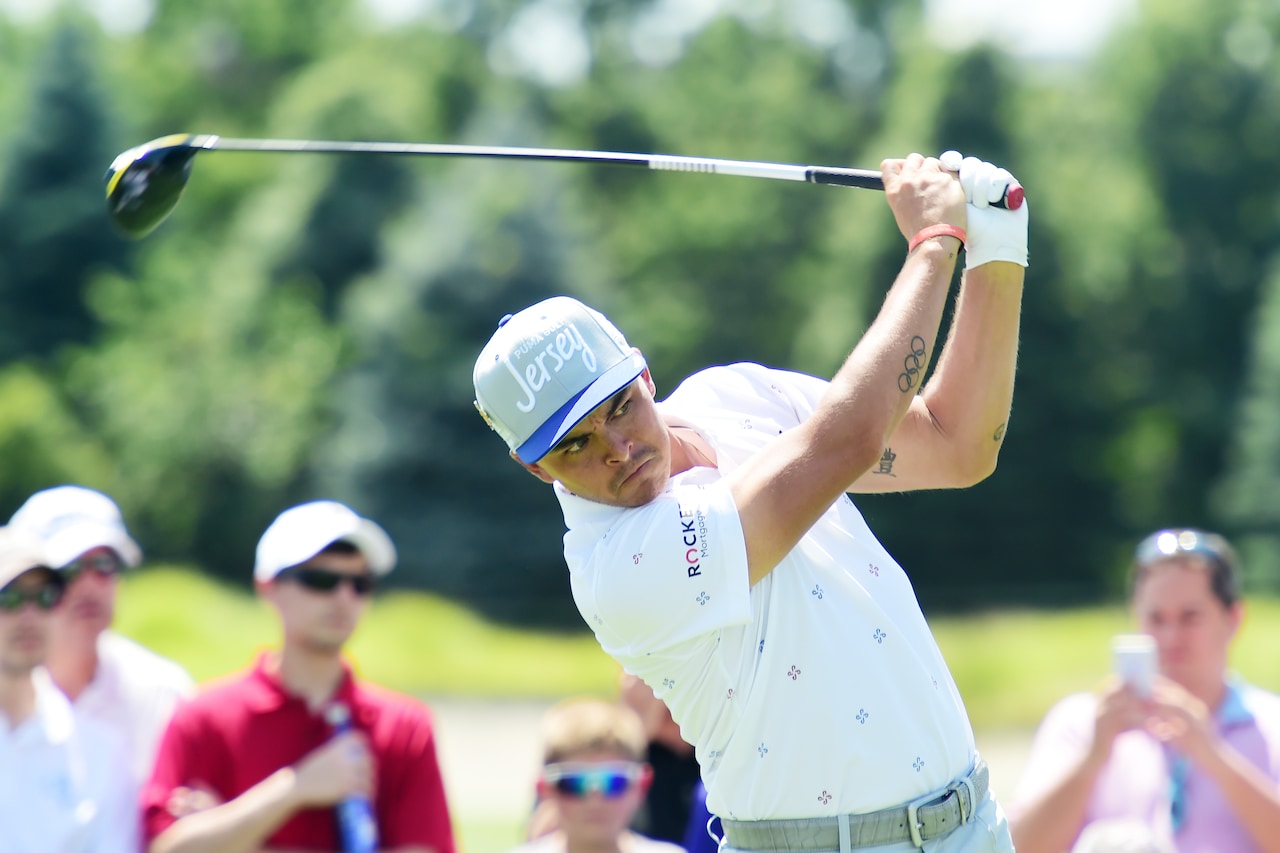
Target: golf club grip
(868, 180)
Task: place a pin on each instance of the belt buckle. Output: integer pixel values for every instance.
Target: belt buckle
(973, 800)
(913, 819)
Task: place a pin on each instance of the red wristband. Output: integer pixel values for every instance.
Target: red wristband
(936, 231)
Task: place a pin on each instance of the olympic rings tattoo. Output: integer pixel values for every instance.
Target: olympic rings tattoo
(912, 365)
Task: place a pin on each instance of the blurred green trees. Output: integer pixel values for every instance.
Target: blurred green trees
(306, 326)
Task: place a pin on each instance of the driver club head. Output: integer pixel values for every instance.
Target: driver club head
(145, 183)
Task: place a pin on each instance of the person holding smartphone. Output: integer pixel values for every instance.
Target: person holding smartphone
(1196, 757)
(257, 761)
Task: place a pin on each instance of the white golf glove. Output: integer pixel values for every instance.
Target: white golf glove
(995, 234)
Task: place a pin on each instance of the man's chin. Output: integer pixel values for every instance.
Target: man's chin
(328, 642)
(86, 620)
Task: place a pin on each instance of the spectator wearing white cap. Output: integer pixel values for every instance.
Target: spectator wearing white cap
(129, 688)
(59, 770)
(260, 760)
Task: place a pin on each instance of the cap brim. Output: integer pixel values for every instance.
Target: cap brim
(66, 545)
(374, 544)
(572, 413)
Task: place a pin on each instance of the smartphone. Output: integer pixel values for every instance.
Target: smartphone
(1133, 657)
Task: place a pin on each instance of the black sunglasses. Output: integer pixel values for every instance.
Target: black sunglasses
(323, 580)
(104, 564)
(45, 596)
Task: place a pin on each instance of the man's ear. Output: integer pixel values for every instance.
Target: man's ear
(534, 469)
(646, 778)
(1236, 615)
(648, 381)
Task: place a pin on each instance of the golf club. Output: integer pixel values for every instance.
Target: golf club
(145, 183)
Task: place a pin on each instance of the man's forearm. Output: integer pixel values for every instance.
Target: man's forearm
(970, 392)
(238, 826)
(875, 386)
(1252, 796)
(785, 491)
(1051, 822)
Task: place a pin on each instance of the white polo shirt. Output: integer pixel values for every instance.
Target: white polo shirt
(817, 692)
(134, 692)
(60, 789)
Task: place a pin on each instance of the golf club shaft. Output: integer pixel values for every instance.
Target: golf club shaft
(862, 178)
(145, 183)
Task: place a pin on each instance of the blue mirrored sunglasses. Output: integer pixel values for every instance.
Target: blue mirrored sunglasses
(578, 780)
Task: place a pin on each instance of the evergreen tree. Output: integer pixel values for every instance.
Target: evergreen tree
(54, 233)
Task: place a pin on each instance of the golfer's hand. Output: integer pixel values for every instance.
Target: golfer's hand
(341, 767)
(995, 234)
(921, 193)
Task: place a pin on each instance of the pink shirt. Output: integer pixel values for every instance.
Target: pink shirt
(1137, 782)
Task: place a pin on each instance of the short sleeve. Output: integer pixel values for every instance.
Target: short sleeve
(173, 769)
(1063, 736)
(417, 812)
(667, 572)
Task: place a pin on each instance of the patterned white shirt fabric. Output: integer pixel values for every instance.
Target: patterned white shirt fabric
(134, 692)
(60, 788)
(817, 692)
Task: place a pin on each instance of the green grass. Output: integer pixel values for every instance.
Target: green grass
(1010, 665)
(482, 836)
(408, 641)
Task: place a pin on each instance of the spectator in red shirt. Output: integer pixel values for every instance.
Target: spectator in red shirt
(253, 763)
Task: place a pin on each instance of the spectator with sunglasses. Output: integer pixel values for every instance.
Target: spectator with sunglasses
(595, 775)
(254, 762)
(1198, 760)
(59, 775)
(109, 677)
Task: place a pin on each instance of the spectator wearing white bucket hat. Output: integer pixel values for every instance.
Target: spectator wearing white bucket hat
(60, 790)
(108, 677)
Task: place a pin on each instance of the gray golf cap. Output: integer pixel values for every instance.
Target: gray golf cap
(546, 368)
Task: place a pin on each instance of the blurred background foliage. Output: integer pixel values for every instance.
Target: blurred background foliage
(306, 326)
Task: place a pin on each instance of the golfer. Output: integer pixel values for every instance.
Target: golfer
(713, 549)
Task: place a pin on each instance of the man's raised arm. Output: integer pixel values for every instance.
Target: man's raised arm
(952, 434)
(787, 487)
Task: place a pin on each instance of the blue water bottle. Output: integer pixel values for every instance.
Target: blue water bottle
(357, 827)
